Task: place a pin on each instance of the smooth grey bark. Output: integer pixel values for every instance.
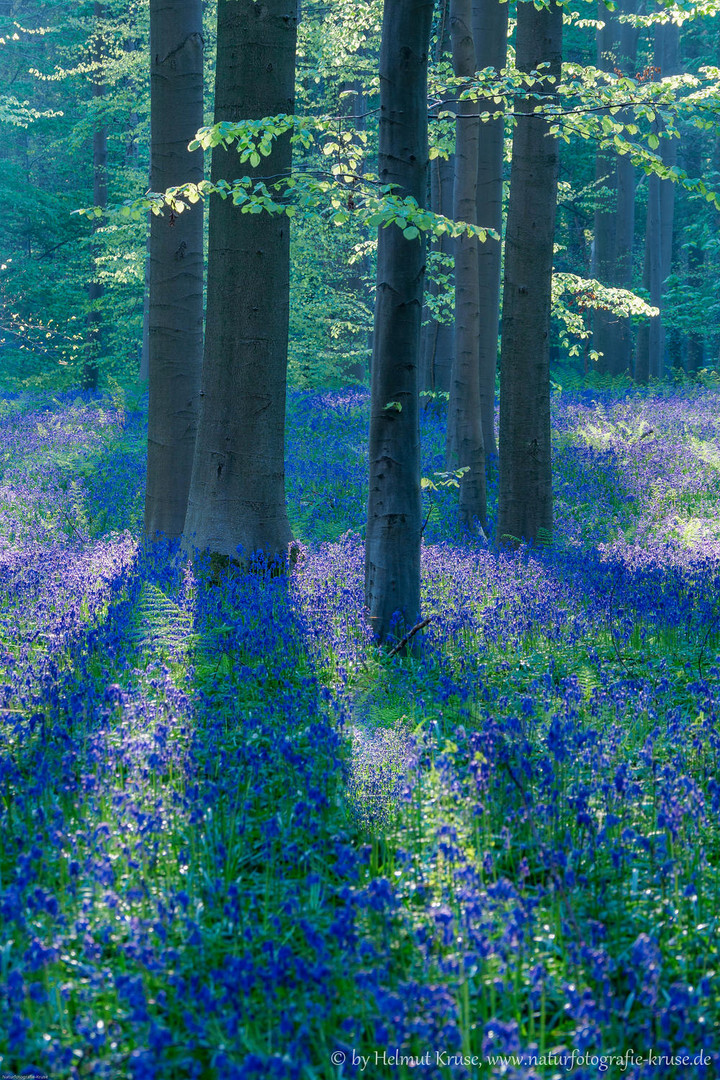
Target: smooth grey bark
(667, 49)
(438, 338)
(695, 340)
(490, 26)
(392, 544)
(174, 265)
(525, 509)
(647, 362)
(442, 360)
(604, 249)
(650, 360)
(615, 209)
(236, 504)
(358, 370)
(606, 201)
(437, 341)
(465, 448)
(621, 345)
(96, 290)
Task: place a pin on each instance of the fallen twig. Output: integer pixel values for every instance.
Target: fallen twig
(410, 634)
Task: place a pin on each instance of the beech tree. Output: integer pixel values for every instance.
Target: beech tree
(620, 343)
(525, 496)
(392, 545)
(490, 28)
(175, 314)
(236, 503)
(438, 335)
(607, 208)
(465, 446)
(100, 188)
(650, 361)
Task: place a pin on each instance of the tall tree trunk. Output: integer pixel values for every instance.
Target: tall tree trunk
(525, 499)
(648, 360)
(606, 201)
(392, 545)
(438, 338)
(358, 369)
(659, 225)
(175, 309)
(490, 25)
(91, 368)
(621, 343)
(236, 505)
(615, 212)
(695, 163)
(445, 342)
(465, 447)
(667, 49)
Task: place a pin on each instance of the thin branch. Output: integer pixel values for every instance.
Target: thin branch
(410, 634)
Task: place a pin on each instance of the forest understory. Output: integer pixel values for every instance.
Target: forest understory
(238, 840)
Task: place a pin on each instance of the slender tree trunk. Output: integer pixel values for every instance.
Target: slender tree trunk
(490, 25)
(606, 198)
(465, 436)
(659, 224)
(615, 210)
(437, 340)
(604, 249)
(647, 362)
(621, 344)
(175, 308)
(445, 343)
(236, 505)
(392, 546)
(91, 369)
(695, 163)
(525, 500)
(358, 370)
(667, 48)
(695, 273)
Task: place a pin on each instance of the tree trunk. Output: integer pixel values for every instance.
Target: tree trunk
(490, 24)
(525, 499)
(91, 368)
(392, 546)
(445, 343)
(437, 338)
(659, 225)
(649, 338)
(606, 201)
(667, 48)
(695, 154)
(175, 308)
(358, 369)
(622, 340)
(465, 447)
(236, 505)
(615, 212)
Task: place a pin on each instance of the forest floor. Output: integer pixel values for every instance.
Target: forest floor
(239, 842)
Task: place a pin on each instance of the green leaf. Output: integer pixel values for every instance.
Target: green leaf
(653, 142)
(411, 232)
(254, 159)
